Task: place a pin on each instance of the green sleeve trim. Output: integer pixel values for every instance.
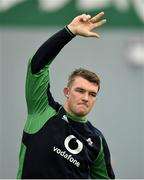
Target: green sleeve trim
(98, 168)
(21, 160)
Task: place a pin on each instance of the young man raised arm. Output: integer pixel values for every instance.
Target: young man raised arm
(58, 141)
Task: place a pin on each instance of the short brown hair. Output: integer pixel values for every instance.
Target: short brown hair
(86, 74)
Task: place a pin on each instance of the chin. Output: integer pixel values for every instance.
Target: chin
(81, 114)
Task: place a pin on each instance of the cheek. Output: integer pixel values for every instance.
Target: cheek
(74, 97)
(92, 103)
(73, 100)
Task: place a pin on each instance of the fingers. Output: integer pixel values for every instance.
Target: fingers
(85, 17)
(100, 23)
(97, 17)
(85, 24)
(93, 20)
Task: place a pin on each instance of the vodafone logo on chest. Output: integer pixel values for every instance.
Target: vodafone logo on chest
(76, 150)
(74, 146)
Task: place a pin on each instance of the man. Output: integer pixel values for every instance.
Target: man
(58, 141)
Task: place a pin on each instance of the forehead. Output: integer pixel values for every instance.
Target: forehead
(80, 82)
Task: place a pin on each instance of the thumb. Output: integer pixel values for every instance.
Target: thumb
(93, 34)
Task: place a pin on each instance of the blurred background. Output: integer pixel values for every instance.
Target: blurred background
(117, 57)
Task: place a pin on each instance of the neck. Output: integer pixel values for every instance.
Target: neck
(74, 116)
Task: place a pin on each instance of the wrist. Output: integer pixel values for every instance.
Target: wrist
(72, 29)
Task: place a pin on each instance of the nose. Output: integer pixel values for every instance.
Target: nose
(85, 97)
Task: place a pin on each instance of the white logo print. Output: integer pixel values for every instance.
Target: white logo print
(73, 151)
(65, 118)
(64, 154)
(90, 143)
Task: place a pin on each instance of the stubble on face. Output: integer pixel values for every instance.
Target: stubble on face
(82, 97)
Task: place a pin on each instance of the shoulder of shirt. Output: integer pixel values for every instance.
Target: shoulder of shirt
(95, 130)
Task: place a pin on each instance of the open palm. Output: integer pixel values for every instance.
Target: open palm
(84, 24)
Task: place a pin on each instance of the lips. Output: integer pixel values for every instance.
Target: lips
(83, 104)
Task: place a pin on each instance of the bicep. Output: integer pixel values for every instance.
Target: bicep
(36, 90)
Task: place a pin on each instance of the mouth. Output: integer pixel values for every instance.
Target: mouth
(83, 104)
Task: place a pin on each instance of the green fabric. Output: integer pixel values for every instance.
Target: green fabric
(21, 160)
(76, 118)
(98, 169)
(37, 101)
(36, 121)
(43, 15)
(39, 111)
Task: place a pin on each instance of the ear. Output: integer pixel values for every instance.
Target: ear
(66, 92)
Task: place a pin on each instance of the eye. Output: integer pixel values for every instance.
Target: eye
(93, 94)
(80, 90)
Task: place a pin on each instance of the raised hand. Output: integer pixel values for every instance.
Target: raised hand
(84, 25)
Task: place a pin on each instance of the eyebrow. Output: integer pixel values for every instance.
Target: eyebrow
(93, 92)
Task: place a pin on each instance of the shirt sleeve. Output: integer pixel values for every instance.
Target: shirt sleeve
(101, 168)
(50, 49)
(40, 103)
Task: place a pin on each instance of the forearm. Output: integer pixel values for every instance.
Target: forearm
(50, 49)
